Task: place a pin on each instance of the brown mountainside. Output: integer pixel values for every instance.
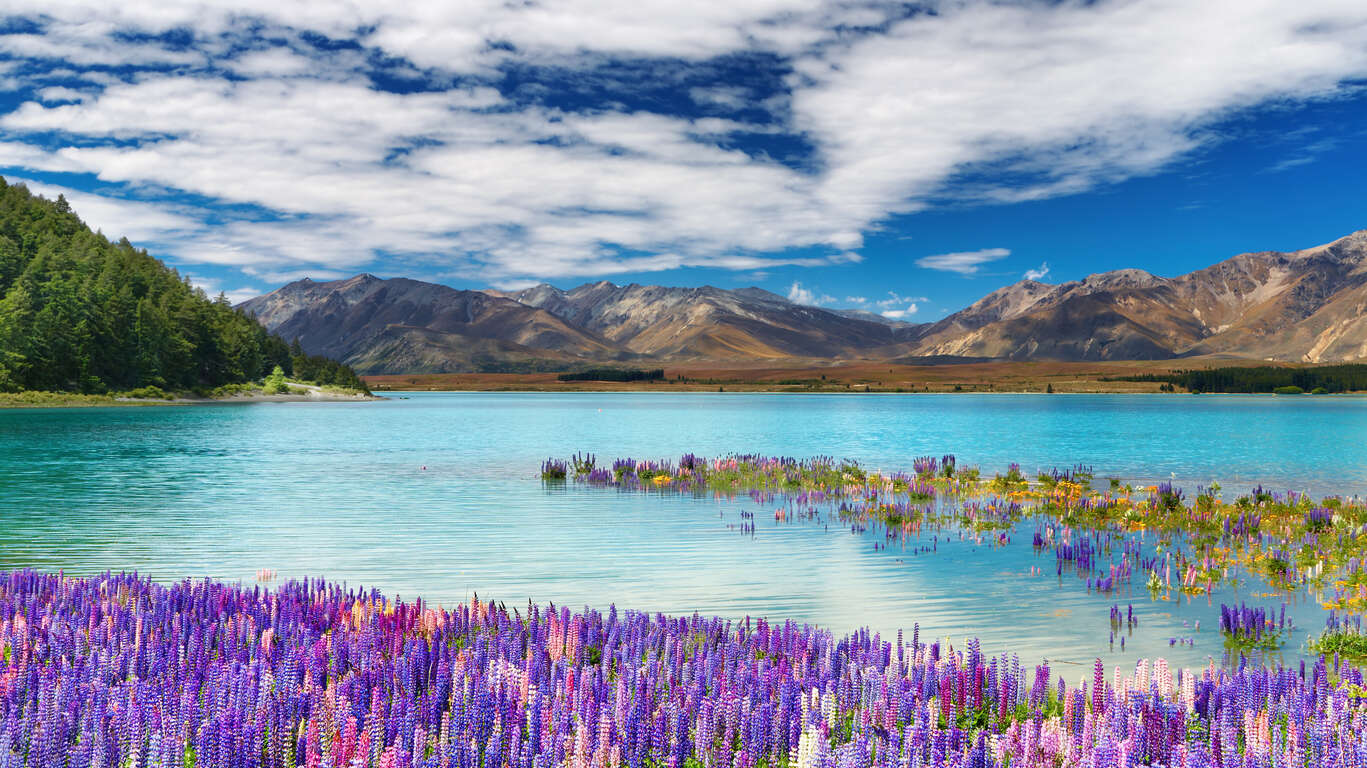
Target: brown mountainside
(1304, 306)
(402, 326)
(710, 323)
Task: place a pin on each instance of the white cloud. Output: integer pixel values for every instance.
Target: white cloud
(1305, 155)
(58, 94)
(1067, 95)
(272, 62)
(728, 97)
(894, 307)
(894, 299)
(117, 218)
(800, 295)
(515, 285)
(297, 274)
(962, 262)
(213, 288)
(490, 193)
(1026, 100)
(1038, 273)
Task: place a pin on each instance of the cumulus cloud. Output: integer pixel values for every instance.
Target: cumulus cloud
(894, 299)
(799, 295)
(962, 262)
(900, 314)
(297, 274)
(732, 98)
(118, 218)
(58, 93)
(802, 295)
(1055, 97)
(213, 288)
(1039, 273)
(284, 156)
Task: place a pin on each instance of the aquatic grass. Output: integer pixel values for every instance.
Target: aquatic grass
(1284, 538)
(1012, 480)
(1350, 590)
(1167, 498)
(1319, 520)
(1342, 638)
(742, 473)
(116, 670)
(1079, 474)
(583, 463)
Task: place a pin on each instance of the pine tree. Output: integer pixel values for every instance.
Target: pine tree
(81, 313)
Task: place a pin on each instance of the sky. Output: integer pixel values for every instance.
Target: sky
(902, 158)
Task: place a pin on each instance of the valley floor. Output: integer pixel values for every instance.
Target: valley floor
(997, 376)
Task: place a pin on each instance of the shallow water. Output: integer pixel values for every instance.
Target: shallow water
(438, 495)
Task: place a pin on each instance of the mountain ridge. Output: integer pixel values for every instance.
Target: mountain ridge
(1304, 306)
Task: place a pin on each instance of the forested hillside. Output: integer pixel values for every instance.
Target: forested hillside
(79, 313)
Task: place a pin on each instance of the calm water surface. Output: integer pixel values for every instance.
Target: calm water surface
(438, 495)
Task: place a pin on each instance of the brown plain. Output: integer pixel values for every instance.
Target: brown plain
(861, 377)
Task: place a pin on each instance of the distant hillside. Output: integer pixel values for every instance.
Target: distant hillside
(407, 326)
(710, 323)
(1304, 306)
(79, 313)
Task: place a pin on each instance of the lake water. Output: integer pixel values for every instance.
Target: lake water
(438, 495)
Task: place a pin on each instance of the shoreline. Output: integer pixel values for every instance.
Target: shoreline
(842, 393)
(73, 400)
(860, 377)
(315, 394)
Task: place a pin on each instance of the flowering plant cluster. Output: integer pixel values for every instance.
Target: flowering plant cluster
(117, 671)
(742, 473)
(1252, 627)
(1343, 638)
(1286, 538)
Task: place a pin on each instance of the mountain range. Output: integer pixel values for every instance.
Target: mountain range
(1302, 306)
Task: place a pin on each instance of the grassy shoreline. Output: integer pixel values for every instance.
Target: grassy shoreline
(303, 393)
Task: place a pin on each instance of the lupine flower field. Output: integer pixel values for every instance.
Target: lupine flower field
(118, 671)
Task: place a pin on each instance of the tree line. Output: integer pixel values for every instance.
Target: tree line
(79, 313)
(613, 374)
(1262, 379)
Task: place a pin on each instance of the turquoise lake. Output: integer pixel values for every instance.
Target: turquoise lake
(438, 495)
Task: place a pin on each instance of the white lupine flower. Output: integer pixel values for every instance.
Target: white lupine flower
(807, 748)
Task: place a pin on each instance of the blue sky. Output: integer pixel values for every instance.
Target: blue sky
(904, 159)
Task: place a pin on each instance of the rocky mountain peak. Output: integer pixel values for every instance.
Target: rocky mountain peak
(1302, 305)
